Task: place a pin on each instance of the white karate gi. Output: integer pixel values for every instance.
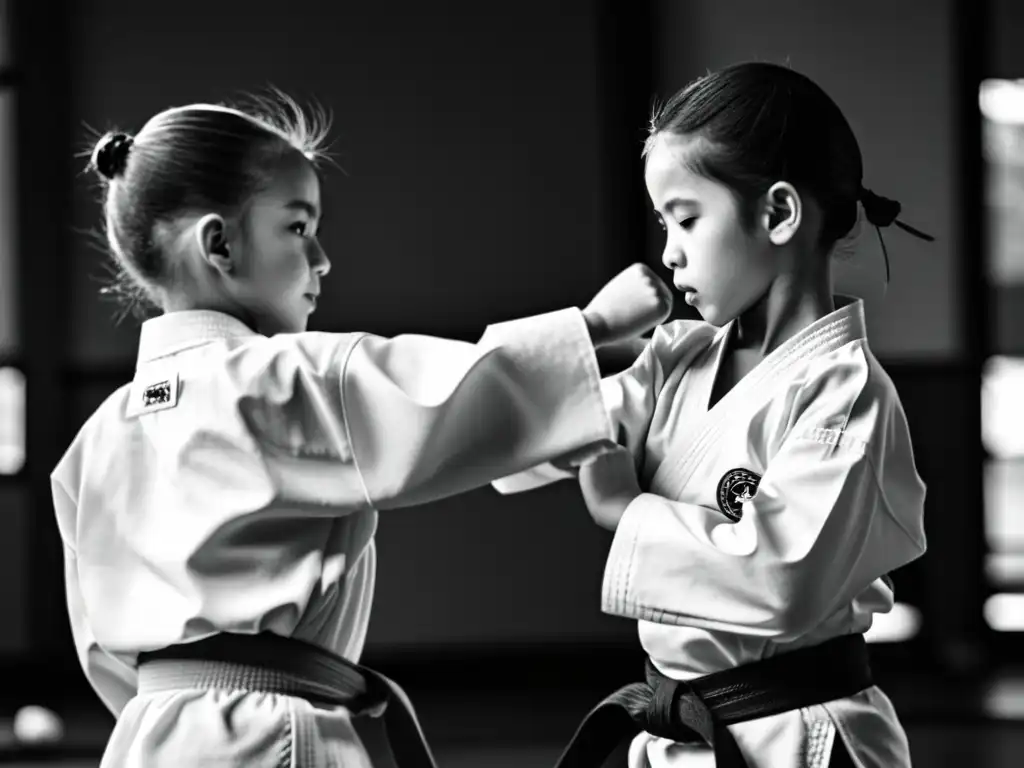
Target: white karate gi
(836, 504)
(243, 498)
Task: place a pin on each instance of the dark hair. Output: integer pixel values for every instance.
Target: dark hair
(758, 123)
(201, 157)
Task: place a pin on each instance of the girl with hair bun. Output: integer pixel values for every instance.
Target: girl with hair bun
(218, 512)
(765, 485)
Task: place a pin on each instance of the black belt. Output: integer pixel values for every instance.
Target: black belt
(699, 710)
(272, 663)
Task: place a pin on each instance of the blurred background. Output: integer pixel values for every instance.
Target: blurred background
(491, 157)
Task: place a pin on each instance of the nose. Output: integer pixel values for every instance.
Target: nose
(318, 261)
(673, 257)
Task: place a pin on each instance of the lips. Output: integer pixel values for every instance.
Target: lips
(689, 293)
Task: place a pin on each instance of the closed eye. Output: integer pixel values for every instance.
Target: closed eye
(686, 224)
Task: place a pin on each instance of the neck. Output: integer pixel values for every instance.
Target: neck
(182, 303)
(791, 303)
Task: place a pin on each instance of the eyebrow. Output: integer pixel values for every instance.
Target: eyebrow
(676, 202)
(304, 206)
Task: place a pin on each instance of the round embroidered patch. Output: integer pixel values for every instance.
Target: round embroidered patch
(736, 487)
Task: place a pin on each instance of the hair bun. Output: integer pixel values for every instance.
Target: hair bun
(111, 155)
(880, 211)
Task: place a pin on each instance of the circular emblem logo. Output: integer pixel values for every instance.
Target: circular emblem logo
(736, 487)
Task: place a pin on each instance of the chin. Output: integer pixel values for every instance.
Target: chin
(717, 319)
(711, 316)
(716, 315)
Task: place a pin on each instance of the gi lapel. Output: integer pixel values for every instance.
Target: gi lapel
(753, 390)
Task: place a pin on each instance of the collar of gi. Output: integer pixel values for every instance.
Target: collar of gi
(175, 331)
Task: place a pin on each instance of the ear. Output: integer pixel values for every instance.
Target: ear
(783, 212)
(212, 239)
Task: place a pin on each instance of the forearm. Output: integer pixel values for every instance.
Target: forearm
(430, 418)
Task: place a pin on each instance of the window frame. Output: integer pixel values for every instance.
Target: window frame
(12, 358)
(1004, 574)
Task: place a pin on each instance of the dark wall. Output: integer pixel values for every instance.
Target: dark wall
(1005, 54)
(468, 139)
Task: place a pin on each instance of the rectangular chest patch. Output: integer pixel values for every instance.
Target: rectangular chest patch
(153, 393)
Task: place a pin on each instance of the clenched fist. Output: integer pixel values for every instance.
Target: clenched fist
(632, 302)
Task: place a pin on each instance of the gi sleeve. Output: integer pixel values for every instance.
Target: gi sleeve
(428, 418)
(839, 505)
(630, 398)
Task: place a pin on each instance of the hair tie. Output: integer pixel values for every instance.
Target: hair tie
(112, 155)
(880, 211)
(883, 212)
